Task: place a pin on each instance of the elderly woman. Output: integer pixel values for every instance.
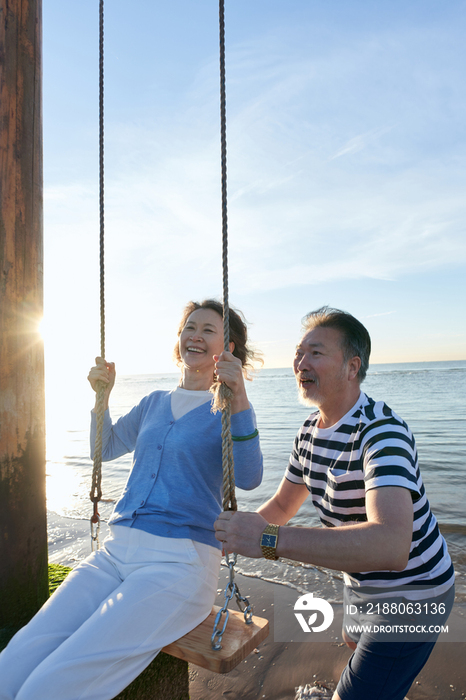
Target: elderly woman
(156, 576)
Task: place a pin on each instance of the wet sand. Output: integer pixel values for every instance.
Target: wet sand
(278, 667)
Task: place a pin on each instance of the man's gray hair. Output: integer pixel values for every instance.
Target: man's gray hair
(356, 341)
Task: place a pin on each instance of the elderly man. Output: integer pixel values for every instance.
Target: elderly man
(358, 461)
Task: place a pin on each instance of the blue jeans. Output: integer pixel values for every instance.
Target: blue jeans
(384, 665)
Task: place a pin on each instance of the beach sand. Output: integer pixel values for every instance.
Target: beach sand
(279, 667)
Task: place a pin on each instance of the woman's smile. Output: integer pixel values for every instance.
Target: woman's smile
(201, 339)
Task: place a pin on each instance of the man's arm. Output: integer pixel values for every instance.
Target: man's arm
(382, 543)
(286, 502)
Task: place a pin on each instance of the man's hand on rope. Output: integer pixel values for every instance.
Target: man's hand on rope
(240, 532)
(103, 372)
(229, 370)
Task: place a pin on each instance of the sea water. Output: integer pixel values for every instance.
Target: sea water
(430, 397)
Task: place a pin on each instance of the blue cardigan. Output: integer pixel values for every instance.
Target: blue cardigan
(174, 488)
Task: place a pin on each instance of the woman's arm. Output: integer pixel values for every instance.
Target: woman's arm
(246, 447)
(118, 439)
(247, 452)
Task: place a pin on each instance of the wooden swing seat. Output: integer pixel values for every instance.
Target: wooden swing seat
(238, 642)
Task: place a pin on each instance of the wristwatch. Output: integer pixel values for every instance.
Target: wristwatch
(269, 541)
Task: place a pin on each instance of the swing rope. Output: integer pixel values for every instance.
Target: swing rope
(96, 487)
(222, 400)
(224, 394)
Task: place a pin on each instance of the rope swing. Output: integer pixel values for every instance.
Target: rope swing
(223, 394)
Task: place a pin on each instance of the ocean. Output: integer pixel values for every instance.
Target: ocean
(429, 396)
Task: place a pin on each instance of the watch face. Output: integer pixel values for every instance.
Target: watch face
(268, 540)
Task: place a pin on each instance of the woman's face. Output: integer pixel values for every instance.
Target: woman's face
(201, 339)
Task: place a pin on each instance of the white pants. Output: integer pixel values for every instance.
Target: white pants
(111, 617)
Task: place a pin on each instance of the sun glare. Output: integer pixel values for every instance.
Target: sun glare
(42, 328)
(63, 488)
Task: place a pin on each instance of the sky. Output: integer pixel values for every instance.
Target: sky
(346, 174)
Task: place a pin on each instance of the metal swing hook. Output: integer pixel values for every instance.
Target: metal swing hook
(95, 527)
(243, 604)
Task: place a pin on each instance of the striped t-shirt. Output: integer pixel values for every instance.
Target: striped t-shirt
(368, 448)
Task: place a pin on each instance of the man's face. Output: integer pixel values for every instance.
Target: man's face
(319, 367)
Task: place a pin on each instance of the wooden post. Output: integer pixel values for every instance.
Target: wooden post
(23, 531)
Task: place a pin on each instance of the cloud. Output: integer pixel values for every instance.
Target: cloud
(384, 313)
(303, 208)
(358, 143)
